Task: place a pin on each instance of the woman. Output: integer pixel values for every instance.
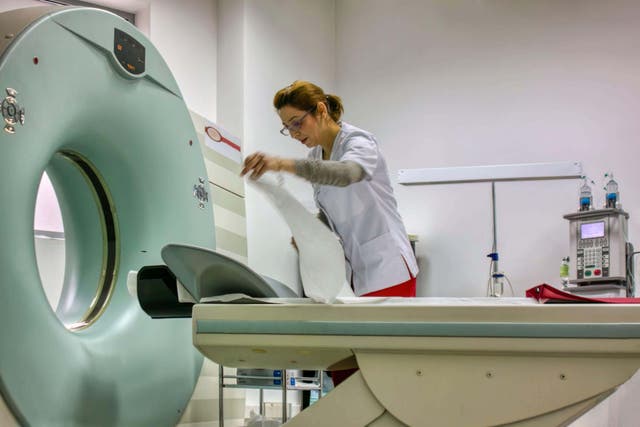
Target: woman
(351, 188)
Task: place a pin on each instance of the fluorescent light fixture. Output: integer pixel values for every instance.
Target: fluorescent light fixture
(491, 173)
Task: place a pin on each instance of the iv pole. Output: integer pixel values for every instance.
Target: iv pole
(496, 287)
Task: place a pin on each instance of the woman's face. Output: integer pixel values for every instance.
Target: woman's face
(301, 125)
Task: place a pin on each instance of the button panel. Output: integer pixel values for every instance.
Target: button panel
(592, 258)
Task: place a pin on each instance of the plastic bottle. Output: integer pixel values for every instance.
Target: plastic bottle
(586, 196)
(612, 197)
(564, 271)
(497, 284)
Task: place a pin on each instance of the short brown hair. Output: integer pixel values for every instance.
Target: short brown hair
(305, 96)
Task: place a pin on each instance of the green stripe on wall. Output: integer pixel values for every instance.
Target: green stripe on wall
(218, 158)
(204, 403)
(224, 178)
(229, 221)
(231, 242)
(228, 200)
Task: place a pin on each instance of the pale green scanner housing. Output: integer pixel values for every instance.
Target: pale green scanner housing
(88, 99)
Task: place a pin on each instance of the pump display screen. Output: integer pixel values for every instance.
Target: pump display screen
(591, 230)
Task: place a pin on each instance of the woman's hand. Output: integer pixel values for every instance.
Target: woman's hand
(258, 163)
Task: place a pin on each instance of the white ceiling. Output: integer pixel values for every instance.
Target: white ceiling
(127, 5)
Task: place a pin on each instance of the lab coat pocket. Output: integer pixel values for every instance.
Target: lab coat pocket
(374, 254)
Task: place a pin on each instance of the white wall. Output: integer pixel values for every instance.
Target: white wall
(283, 40)
(185, 34)
(231, 66)
(18, 4)
(462, 83)
(446, 84)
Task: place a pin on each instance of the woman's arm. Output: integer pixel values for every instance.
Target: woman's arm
(329, 172)
(325, 172)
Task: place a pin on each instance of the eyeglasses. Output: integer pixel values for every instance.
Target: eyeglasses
(295, 125)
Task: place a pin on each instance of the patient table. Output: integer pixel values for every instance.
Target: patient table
(435, 361)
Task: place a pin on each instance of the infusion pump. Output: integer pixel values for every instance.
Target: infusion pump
(600, 248)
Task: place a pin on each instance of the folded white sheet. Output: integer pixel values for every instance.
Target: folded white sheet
(322, 264)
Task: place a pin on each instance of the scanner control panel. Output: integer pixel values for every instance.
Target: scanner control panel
(129, 52)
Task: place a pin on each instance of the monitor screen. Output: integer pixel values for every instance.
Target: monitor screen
(591, 230)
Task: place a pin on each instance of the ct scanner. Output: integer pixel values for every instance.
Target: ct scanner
(89, 100)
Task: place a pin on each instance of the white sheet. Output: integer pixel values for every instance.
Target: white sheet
(322, 264)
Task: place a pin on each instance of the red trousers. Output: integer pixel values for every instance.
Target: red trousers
(405, 289)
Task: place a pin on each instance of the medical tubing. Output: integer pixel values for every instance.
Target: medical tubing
(513, 294)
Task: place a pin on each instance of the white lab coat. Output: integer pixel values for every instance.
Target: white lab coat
(365, 216)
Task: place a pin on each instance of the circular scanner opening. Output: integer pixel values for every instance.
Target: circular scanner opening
(76, 239)
(48, 231)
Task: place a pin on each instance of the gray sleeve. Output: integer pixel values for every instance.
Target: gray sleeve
(329, 172)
